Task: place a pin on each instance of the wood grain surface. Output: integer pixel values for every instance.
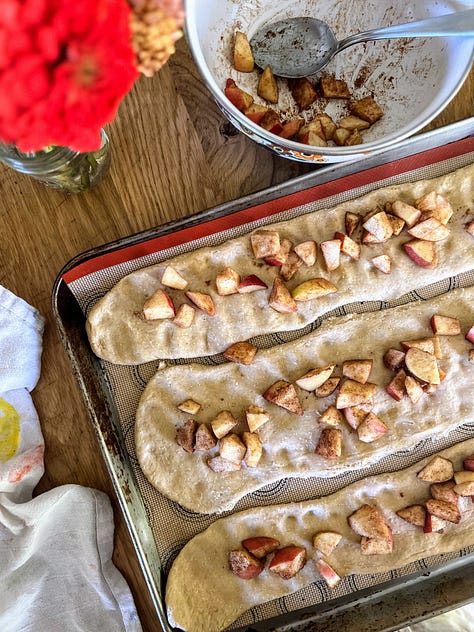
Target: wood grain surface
(174, 154)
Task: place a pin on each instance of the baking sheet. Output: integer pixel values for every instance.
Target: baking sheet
(159, 527)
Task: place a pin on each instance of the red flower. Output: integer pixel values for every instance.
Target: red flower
(65, 66)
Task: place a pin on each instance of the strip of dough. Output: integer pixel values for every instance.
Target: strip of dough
(203, 595)
(289, 440)
(119, 334)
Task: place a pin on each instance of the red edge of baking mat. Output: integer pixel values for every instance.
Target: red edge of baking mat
(267, 209)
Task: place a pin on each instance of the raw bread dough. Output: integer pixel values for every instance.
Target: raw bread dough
(203, 595)
(289, 440)
(118, 333)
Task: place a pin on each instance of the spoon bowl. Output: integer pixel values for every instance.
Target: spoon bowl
(300, 47)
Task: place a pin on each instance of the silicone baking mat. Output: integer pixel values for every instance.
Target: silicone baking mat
(93, 274)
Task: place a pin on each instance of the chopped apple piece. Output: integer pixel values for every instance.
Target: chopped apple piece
(368, 109)
(358, 370)
(310, 130)
(425, 344)
(332, 88)
(330, 443)
(267, 86)
(463, 476)
(471, 356)
(190, 406)
(172, 278)
(203, 301)
(243, 56)
(414, 514)
(265, 243)
(271, 121)
(437, 470)
(184, 316)
(221, 466)
(326, 541)
(280, 298)
(396, 387)
(349, 247)
(158, 306)
(227, 282)
(354, 393)
(470, 228)
(255, 112)
(371, 428)
(315, 377)
(354, 138)
(241, 352)
(409, 214)
(307, 251)
(331, 250)
(429, 229)
(284, 394)
(303, 92)
(422, 365)
(331, 416)
(204, 439)
(355, 415)
(376, 546)
(468, 463)
(327, 388)
(244, 564)
(185, 435)
(341, 135)
(396, 222)
(445, 325)
(238, 97)
(444, 491)
(282, 255)
(470, 335)
(433, 524)
(291, 128)
(251, 283)
(328, 573)
(368, 521)
(413, 389)
(329, 127)
(382, 263)
(291, 266)
(422, 252)
(444, 510)
(288, 561)
(256, 417)
(436, 205)
(394, 359)
(465, 489)
(352, 123)
(223, 423)
(312, 289)
(231, 448)
(253, 449)
(260, 545)
(379, 226)
(351, 222)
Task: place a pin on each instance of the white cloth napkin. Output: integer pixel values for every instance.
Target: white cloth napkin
(56, 570)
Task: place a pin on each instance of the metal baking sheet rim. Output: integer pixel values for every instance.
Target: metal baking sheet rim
(367, 610)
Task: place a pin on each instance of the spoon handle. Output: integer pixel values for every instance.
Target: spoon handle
(460, 23)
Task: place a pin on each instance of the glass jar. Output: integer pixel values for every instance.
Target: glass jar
(60, 167)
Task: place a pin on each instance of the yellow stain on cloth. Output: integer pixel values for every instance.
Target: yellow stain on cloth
(9, 430)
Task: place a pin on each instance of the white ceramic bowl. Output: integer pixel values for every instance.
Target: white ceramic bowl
(411, 79)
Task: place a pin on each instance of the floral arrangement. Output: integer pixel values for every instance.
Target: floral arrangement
(66, 65)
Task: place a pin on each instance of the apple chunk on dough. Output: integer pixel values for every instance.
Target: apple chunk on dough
(158, 306)
(284, 394)
(422, 365)
(437, 470)
(244, 564)
(260, 545)
(315, 377)
(369, 522)
(288, 561)
(445, 325)
(328, 573)
(422, 252)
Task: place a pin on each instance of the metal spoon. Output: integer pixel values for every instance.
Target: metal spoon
(299, 47)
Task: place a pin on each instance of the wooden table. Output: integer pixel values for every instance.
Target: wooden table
(174, 154)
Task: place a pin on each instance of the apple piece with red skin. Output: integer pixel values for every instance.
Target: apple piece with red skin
(315, 377)
(227, 282)
(242, 352)
(283, 393)
(348, 246)
(414, 514)
(394, 359)
(158, 306)
(291, 128)
(396, 387)
(307, 251)
(435, 205)
(244, 564)
(433, 524)
(184, 316)
(251, 283)
(413, 389)
(255, 112)
(172, 278)
(470, 335)
(204, 439)
(445, 325)
(329, 575)
(238, 97)
(444, 510)
(291, 266)
(470, 228)
(331, 250)
(288, 561)
(422, 252)
(408, 213)
(355, 415)
(329, 444)
(376, 546)
(358, 370)
(265, 243)
(203, 301)
(271, 122)
(437, 470)
(369, 522)
(260, 545)
(468, 463)
(371, 428)
(444, 491)
(185, 435)
(280, 298)
(429, 229)
(312, 289)
(281, 256)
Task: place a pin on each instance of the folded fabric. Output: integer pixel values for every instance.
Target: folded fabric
(56, 570)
